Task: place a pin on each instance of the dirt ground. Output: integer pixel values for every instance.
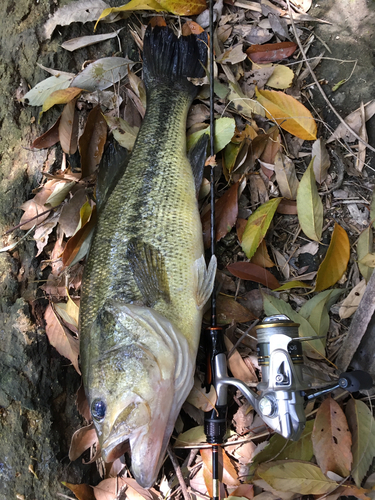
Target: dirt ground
(37, 387)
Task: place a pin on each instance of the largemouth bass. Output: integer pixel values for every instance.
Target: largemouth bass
(146, 280)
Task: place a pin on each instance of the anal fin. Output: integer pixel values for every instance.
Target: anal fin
(205, 279)
(148, 268)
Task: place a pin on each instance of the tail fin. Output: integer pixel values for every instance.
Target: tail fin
(170, 60)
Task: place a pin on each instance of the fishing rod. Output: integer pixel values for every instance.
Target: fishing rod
(281, 396)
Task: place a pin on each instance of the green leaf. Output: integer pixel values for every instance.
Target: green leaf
(364, 247)
(362, 426)
(309, 205)
(224, 131)
(257, 226)
(336, 260)
(316, 310)
(292, 284)
(284, 449)
(194, 436)
(296, 477)
(272, 306)
(102, 73)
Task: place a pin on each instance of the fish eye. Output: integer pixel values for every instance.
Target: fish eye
(98, 409)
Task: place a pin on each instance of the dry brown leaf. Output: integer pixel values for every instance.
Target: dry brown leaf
(199, 398)
(252, 272)
(286, 176)
(43, 231)
(82, 440)
(49, 138)
(227, 470)
(361, 154)
(233, 55)
(68, 128)
(69, 217)
(321, 162)
(354, 121)
(271, 52)
(243, 419)
(237, 365)
(331, 439)
(81, 491)
(228, 310)
(92, 141)
(37, 206)
(351, 303)
(272, 146)
(60, 338)
(261, 256)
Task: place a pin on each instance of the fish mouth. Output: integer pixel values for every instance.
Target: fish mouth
(116, 449)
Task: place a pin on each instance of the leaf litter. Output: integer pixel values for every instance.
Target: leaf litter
(270, 200)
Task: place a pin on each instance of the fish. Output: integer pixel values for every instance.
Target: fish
(146, 281)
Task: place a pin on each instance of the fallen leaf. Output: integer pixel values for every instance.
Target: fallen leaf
(199, 398)
(278, 25)
(292, 284)
(224, 131)
(331, 439)
(38, 94)
(297, 477)
(80, 11)
(68, 128)
(82, 440)
(82, 404)
(124, 134)
(351, 303)
(233, 55)
(354, 121)
(227, 471)
(261, 256)
(362, 426)
(60, 97)
(226, 211)
(192, 437)
(243, 103)
(243, 491)
(81, 491)
(133, 5)
(191, 27)
(310, 206)
(289, 113)
(257, 226)
(237, 366)
(228, 310)
(60, 339)
(321, 160)
(102, 73)
(60, 191)
(279, 448)
(49, 138)
(70, 213)
(252, 272)
(286, 176)
(272, 146)
(36, 206)
(315, 310)
(271, 52)
(336, 260)
(272, 306)
(84, 41)
(74, 245)
(281, 78)
(282, 263)
(68, 311)
(184, 8)
(92, 141)
(43, 231)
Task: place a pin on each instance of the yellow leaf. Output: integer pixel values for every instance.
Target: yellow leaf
(364, 247)
(292, 284)
(290, 114)
(309, 205)
(132, 5)
(336, 260)
(257, 226)
(184, 7)
(368, 260)
(296, 477)
(60, 97)
(281, 78)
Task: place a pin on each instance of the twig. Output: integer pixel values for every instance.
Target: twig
(318, 84)
(178, 472)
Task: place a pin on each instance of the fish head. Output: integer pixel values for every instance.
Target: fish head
(135, 387)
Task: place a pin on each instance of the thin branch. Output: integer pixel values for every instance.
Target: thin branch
(319, 86)
(179, 475)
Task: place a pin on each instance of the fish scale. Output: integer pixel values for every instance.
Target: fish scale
(145, 281)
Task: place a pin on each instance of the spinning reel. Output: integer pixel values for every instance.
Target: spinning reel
(281, 394)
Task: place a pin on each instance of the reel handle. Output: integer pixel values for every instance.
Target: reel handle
(354, 381)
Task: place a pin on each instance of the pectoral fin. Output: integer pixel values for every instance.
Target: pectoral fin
(148, 268)
(197, 156)
(205, 279)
